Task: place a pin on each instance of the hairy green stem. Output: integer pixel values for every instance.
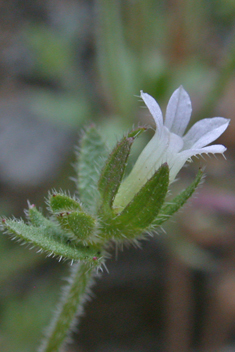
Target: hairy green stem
(70, 306)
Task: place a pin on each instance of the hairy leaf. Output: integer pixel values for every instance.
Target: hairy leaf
(61, 203)
(38, 220)
(37, 237)
(78, 224)
(112, 173)
(142, 210)
(90, 160)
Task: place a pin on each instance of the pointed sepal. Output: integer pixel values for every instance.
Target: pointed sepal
(142, 210)
(59, 203)
(174, 205)
(137, 132)
(145, 205)
(37, 219)
(113, 170)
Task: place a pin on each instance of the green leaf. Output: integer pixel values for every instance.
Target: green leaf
(137, 132)
(142, 210)
(54, 106)
(59, 203)
(36, 217)
(112, 173)
(90, 160)
(51, 50)
(37, 237)
(172, 207)
(38, 220)
(119, 77)
(79, 224)
(144, 207)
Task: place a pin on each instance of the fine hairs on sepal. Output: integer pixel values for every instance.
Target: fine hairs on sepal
(111, 209)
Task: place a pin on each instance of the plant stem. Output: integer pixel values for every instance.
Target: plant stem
(70, 306)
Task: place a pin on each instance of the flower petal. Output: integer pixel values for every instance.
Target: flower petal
(185, 155)
(214, 149)
(154, 109)
(204, 132)
(178, 111)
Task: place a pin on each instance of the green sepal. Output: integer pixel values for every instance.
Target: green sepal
(174, 205)
(36, 218)
(145, 205)
(143, 209)
(90, 160)
(61, 203)
(38, 237)
(137, 132)
(79, 225)
(112, 173)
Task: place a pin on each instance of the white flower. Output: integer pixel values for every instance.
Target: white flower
(170, 144)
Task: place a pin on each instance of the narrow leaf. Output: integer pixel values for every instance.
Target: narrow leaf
(119, 77)
(137, 132)
(112, 172)
(36, 217)
(144, 207)
(37, 237)
(172, 207)
(90, 160)
(38, 220)
(114, 168)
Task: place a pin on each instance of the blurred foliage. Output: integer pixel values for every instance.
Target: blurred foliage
(55, 106)
(86, 61)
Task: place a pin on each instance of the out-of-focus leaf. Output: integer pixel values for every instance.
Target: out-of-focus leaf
(51, 51)
(70, 110)
(117, 64)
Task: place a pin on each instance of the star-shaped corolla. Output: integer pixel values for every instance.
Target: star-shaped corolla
(170, 144)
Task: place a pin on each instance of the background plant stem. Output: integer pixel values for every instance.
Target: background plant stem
(71, 304)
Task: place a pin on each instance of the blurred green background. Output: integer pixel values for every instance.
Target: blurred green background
(67, 63)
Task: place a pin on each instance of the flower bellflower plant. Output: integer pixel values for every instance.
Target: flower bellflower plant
(170, 144)
(80, 228)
